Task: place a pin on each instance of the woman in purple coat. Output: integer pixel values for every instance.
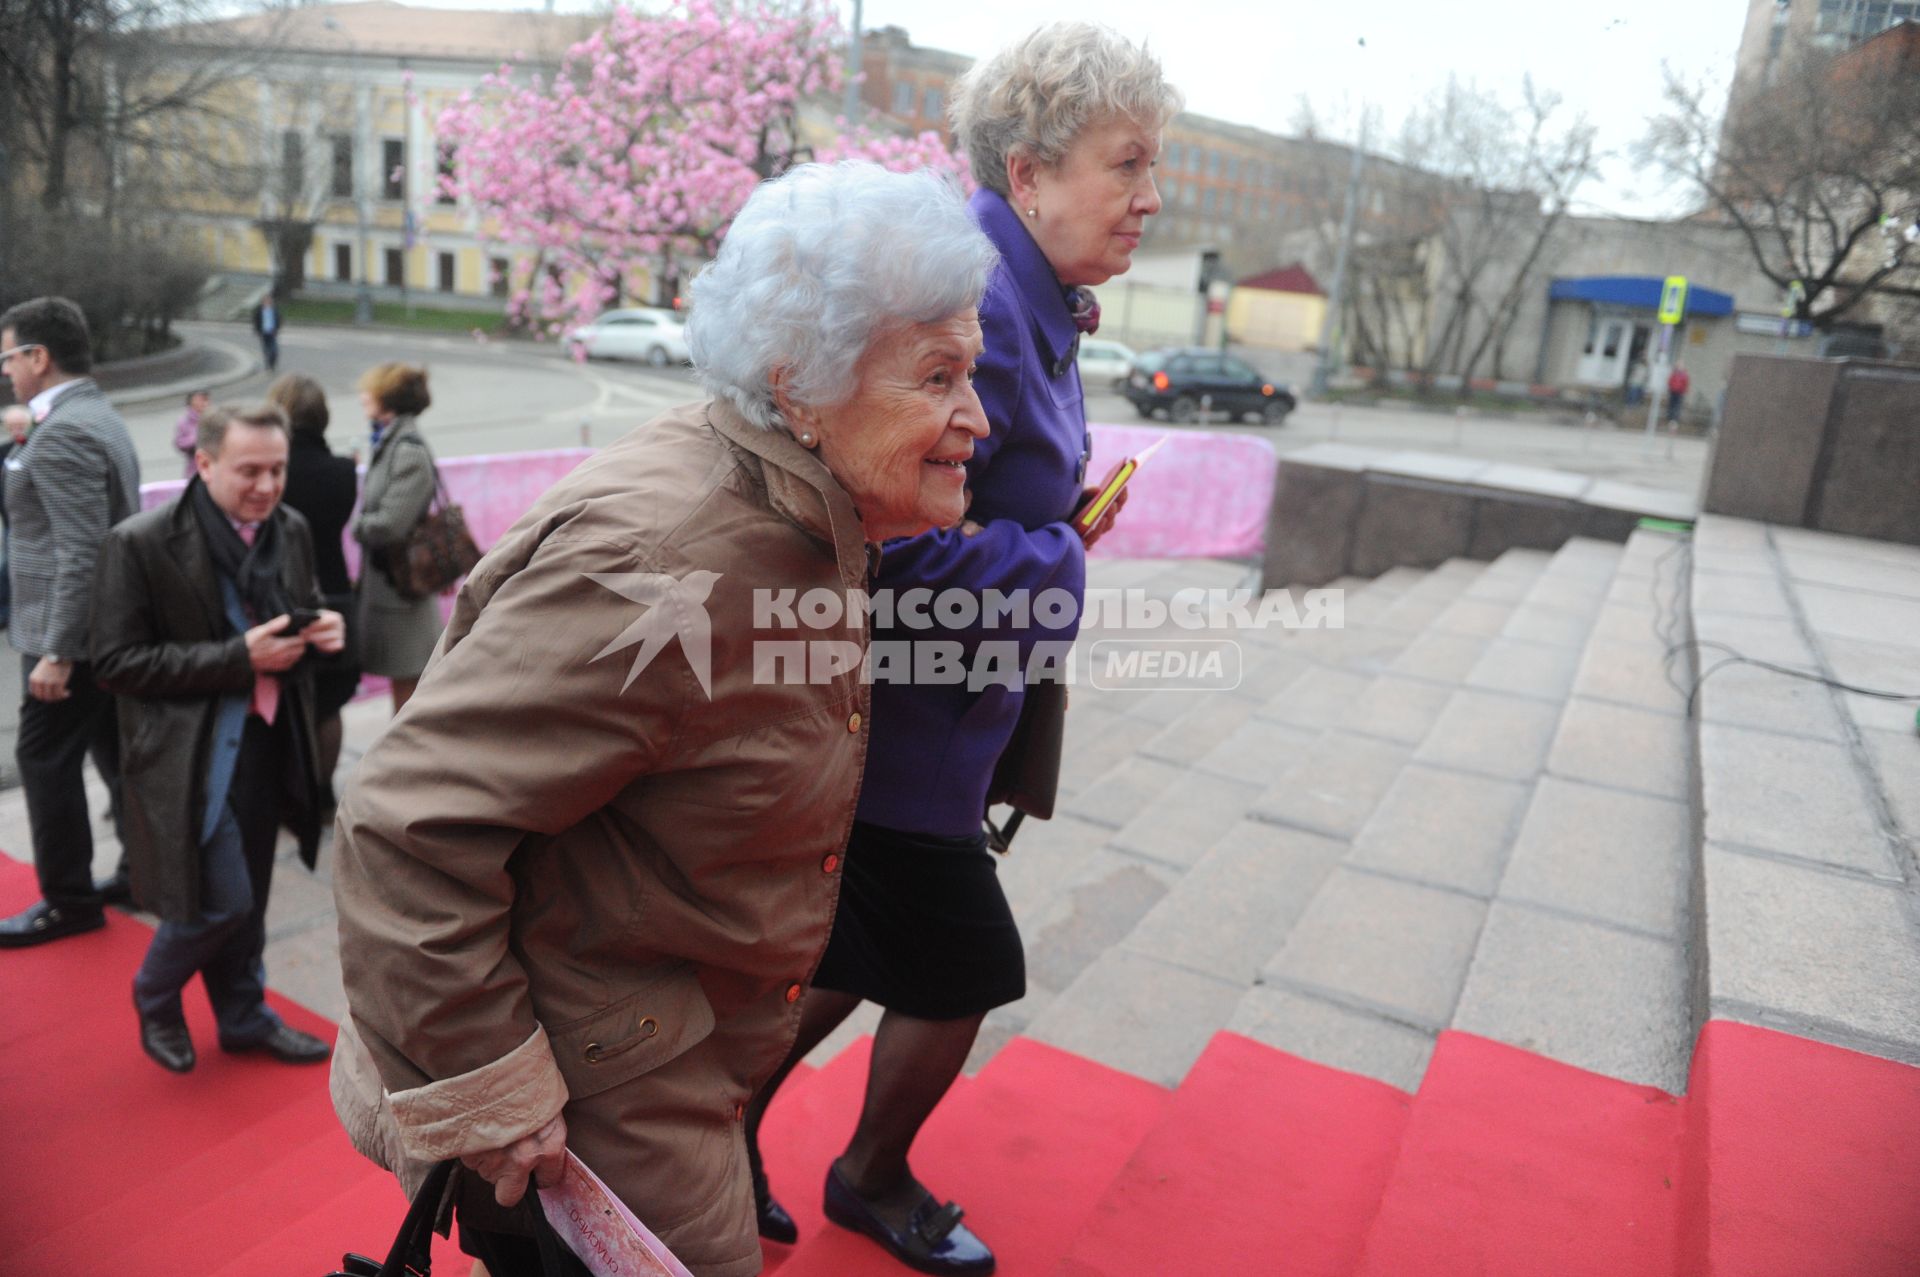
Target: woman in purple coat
(1062, 131)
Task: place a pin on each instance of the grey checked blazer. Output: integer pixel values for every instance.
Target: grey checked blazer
(76, 476)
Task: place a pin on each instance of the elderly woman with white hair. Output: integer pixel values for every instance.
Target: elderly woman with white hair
(585, 877)
(1062, 131)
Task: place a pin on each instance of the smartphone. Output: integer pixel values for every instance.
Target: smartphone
(1089, 515)
(299, 619)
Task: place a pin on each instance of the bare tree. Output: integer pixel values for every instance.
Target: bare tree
(1456, 219)
(1820, 172)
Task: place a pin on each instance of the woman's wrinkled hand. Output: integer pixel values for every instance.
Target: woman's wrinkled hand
(541, 1157)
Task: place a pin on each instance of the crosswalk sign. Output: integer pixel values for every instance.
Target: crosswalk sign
(1673, 300)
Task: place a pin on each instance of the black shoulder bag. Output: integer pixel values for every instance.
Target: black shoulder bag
(412, 1253)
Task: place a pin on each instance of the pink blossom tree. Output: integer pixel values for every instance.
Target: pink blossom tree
(641, 147)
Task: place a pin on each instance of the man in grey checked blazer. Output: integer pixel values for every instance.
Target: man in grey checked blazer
(76, 476)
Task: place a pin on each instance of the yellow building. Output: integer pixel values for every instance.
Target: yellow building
(1280, 310)
(335, 128)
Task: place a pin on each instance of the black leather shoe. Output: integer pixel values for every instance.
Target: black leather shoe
(934, 1240)
(44, 922)
(289, 1046)
(775, 1224)
(167, 1043)
(117, 890)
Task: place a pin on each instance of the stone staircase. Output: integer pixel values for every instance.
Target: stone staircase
(1465, 809)
(1424, 948)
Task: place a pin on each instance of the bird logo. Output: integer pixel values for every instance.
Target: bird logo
(676, 608)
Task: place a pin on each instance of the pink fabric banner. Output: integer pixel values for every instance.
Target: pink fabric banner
(1204, 495)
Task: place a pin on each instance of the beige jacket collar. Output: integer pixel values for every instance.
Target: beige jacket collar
(799, 486)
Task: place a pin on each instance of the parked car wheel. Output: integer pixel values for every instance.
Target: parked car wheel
(1185, 410)
(1145, 410)
(657, 356)
(1275, 412)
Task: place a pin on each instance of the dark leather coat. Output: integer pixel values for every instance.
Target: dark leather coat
(163, 644)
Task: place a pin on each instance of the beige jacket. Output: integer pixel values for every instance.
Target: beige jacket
(562, 884)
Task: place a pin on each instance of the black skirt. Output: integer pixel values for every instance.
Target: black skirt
(923, 927)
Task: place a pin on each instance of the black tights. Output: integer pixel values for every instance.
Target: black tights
(914, 1064)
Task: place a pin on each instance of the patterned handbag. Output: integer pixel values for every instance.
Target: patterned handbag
(439, 550)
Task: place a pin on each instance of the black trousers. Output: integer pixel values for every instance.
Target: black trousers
(52, 746)
(226, 943)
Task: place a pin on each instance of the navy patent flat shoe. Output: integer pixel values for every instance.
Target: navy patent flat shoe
(935, 1241)
(775, 1224)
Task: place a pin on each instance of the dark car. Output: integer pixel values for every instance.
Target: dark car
(1187, 383)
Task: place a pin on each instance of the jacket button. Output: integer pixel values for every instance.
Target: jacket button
(793, 993)
(592, 1053)
(649, 1027)
(831, 863)
(853, 724)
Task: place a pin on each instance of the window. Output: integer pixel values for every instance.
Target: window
(446, 272)
(1193, 158)
(1206, 200)
(396, 267)
(343, 261)
(499, 276)
(293, 159)
(343, 166)
(1213, 164)
(930, 104)
(1234, 368)
(1233, 168)
(902, 98)
(1173, 155)
(443, 185)
(393, 169)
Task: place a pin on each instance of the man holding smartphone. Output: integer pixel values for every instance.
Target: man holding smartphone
(204, 609)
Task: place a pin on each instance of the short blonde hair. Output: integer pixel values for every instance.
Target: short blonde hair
(1035, 96)
(399, 388)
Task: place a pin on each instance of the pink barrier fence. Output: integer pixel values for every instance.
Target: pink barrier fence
(1204, 495)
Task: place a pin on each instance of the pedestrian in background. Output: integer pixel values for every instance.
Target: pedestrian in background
(323, 488)
(396, 633)
(204, 611)
(1061, 132)
(266, 326)
(76, 475)
(186, 431)
(1678, 383)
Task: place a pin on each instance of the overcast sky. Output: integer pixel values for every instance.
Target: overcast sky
(1251, 61)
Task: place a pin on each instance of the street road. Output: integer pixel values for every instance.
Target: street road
(492, 396)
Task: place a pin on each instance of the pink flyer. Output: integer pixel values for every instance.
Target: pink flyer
(599, 1229)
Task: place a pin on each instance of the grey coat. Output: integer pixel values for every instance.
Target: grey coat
(76, 476)
(397, 634)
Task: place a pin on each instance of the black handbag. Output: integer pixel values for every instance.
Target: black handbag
(412, 1252)
(1027, 777)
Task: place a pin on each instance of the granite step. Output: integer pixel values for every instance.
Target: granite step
(1811, 904)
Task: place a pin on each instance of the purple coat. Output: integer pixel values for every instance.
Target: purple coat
(933, 748)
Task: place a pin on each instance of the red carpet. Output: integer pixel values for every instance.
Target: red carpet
(1786, 1158)
(118, 1167)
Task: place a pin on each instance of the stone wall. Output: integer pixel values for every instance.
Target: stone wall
(1827, 444)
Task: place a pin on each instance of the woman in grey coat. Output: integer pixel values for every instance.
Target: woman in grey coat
(397, 633)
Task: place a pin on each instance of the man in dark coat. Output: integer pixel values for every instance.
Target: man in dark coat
(75, 476)
(266, 326)
(204, 609)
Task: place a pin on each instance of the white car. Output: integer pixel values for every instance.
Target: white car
(1104, 364)
(657, 336)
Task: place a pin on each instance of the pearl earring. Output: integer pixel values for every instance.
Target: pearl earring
(1033, 212)
(806, 438)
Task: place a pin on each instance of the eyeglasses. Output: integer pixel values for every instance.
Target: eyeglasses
(21, 349)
